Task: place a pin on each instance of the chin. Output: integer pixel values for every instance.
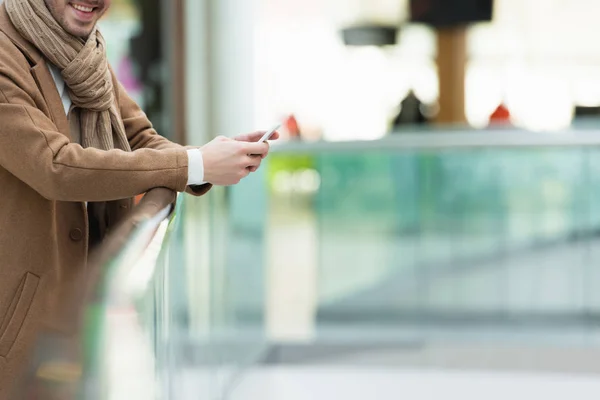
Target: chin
(83, 33)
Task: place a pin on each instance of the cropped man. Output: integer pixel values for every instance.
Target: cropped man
(74, 150)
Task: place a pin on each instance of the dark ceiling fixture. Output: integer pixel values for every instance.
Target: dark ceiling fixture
(370, 35)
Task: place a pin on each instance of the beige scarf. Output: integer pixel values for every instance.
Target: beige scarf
(84, 67)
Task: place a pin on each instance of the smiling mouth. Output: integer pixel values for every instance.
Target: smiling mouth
(82, 8)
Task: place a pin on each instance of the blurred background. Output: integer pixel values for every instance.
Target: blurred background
(428, 226)
(311, 60)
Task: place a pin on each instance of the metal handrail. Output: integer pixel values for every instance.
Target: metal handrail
(153, 202)
(452, 139)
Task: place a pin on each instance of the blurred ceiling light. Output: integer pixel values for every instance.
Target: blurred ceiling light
(373, 22)
(370, 35)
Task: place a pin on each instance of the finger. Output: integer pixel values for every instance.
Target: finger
(264, 155)
(275, 136)
(256, 148)
(253, 161)
(256, 136)
(243, 173)
(250, 137)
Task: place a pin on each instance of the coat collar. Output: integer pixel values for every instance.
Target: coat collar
(29, 50)
(39, 70)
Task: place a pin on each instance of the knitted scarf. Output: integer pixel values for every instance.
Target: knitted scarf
(84, 68)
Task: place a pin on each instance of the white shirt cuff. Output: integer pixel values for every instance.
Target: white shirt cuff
(195, 168)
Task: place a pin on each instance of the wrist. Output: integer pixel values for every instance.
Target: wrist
(205, 165)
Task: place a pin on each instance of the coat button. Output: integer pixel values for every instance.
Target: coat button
(76, 234)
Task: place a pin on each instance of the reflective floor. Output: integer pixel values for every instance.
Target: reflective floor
(393, 384)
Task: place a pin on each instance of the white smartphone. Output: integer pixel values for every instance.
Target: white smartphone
(268, 135)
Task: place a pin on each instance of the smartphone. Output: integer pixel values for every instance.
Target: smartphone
(268, 135)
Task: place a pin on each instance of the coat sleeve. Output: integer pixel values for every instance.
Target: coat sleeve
(142, 135)
(32, 149)
(140, 132)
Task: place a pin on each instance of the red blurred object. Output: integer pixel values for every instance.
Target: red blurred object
(500, 115)
(291, 124)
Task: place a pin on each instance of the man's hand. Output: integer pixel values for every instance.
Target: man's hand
(253, 137)
(227, 161)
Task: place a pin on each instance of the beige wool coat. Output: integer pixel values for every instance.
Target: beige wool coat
(45, 181)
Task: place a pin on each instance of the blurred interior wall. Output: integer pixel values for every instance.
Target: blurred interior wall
(219, 68)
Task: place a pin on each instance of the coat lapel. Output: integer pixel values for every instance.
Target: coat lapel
(40, 72)
(46, 83)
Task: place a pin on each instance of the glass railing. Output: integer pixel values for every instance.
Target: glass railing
(480, 227)
(210, 298)
(162, 313)
(484, 227)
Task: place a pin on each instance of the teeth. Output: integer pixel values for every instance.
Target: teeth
(82, 8)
